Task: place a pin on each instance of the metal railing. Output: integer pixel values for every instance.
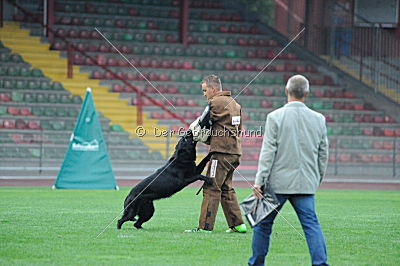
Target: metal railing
(31, 17)
(371, 52)
(44, 150)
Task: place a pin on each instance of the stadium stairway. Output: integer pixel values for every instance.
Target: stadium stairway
(347, 68)
(108, 103)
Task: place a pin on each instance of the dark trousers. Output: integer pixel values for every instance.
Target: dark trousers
(221, 168)
(304, 207)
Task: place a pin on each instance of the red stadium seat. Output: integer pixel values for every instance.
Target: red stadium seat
(61, 33)
(377, 158)
(189, 115)
(130, 88)
(377, 145)
(123, 63)
(58, 45)
(280, 68)
(389, 132)
(13, 110)
(289, 67)
(366, 158)
(119, 23)
(166, 64)
(250, 53)
(171, 38)
(300, 69)
(311, 69)
(328, 118)
(348, 94)
(84, 34)
(9, 124)
(163, 77)
(25, 111)
(358, 107)
(5, 97)
(97, 75)
(187, 65)
(345, 158)
(389, 119)
(95, 35)
(177, 64)
(229, 66)
(172, 89)
(34, 125)
(133, 12)
(131, 76)
(167, 116)
(368, 118)
(112, 62)
(180, 102)
(368, 132)
(76, 21)
(378, 119)
(152, 76)
(104, 48)
(235, 66)
(249, 67)
(73, 33)
(156, 115)
(65, 20)
(266, 104)
(387, 159)
(109, 76)
(328, 94)
(319, 94)
(388, 145)
(148, 37)
(332, 158)
(154, 63)
(117, 88)
(191, 102)
(144, 62)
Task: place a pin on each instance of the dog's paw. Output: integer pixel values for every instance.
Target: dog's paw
(138, 226)
(119, 224)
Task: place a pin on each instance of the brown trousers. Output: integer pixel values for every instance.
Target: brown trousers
(221, 167)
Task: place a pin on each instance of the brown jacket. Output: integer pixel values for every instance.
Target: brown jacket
(225, 114)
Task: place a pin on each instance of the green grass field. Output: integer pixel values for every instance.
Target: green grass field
(41, 226)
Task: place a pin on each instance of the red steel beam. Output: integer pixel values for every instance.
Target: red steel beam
(184, 22)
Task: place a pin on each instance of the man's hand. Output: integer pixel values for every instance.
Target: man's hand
(257, 192)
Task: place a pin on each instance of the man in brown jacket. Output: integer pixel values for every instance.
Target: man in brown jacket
(225, 119)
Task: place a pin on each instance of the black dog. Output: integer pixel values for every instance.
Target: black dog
(177, 173)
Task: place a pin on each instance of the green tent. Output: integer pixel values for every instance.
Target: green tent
(86, 163)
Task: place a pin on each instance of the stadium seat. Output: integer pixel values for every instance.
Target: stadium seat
(5, 97)
(389, 132)
(33, 125)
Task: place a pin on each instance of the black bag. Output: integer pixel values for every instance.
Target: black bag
(255, 210)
